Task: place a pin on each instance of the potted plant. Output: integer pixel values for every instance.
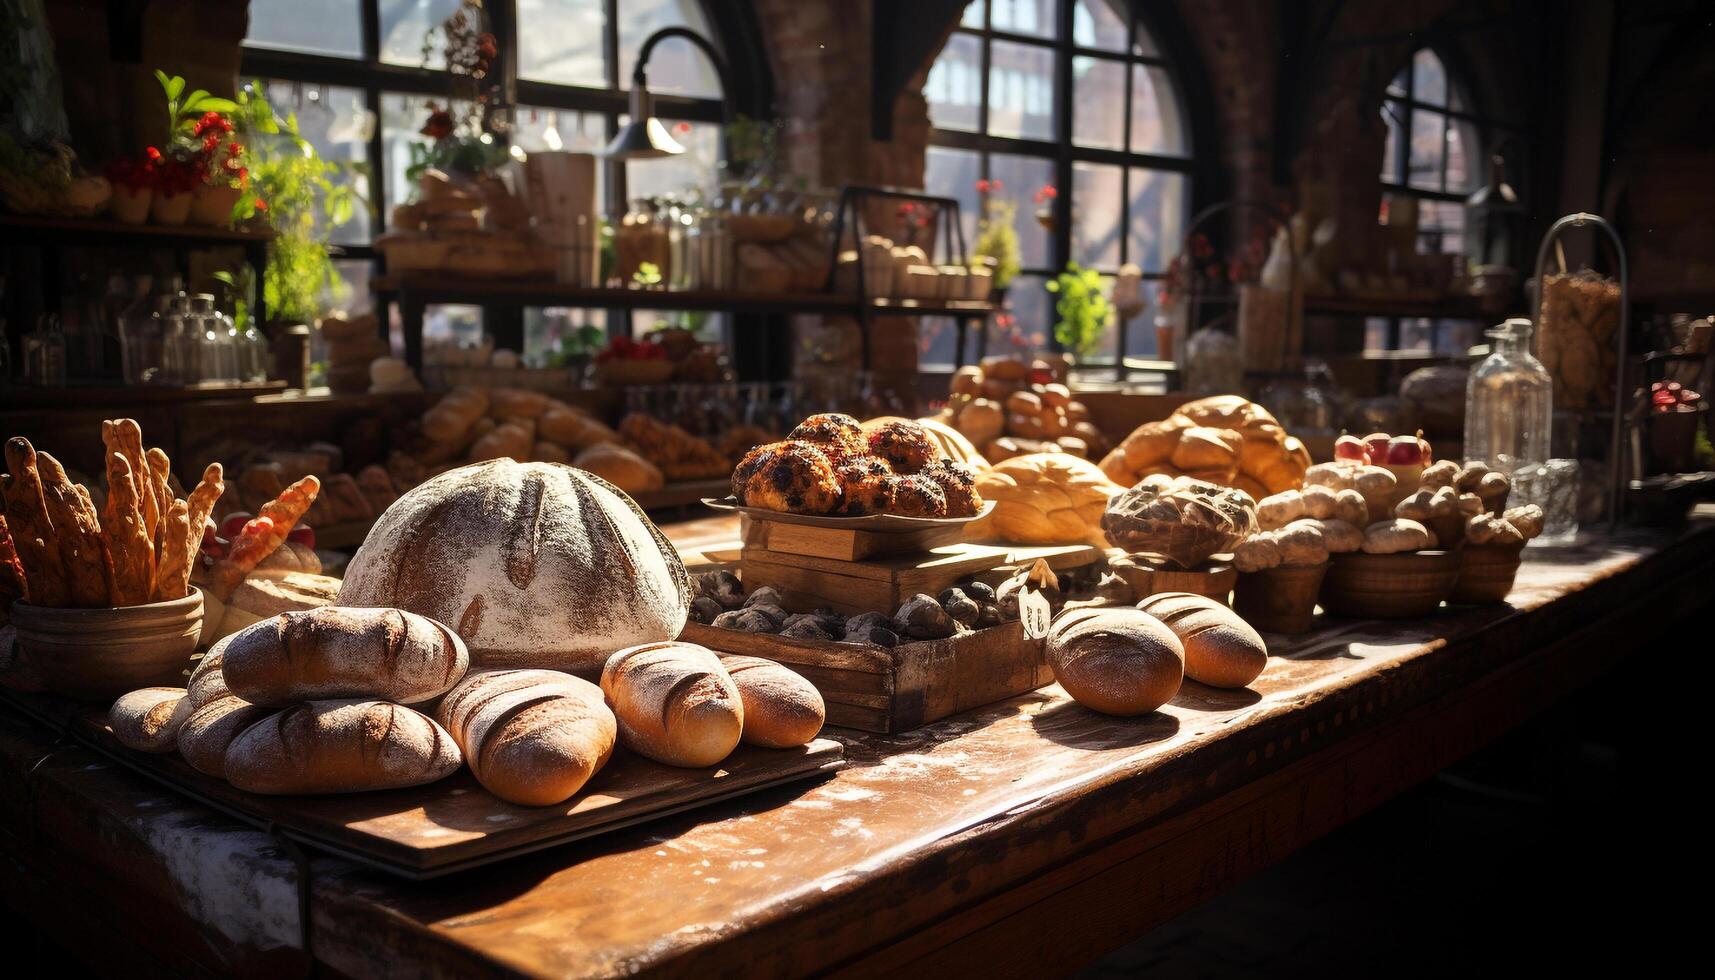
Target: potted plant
(224, 174)
(1084, 310)
(1045, 196)
(195, 154)
(133, 183)
(175, 183)
(997, 239)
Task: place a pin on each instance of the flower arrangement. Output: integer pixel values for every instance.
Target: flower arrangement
(997, 239)
(462, 129)
(1084, 310)
(200, 172)
(1045, 196)
(1199, 262)
(914, 218)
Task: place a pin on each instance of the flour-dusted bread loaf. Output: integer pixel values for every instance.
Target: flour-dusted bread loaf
(675, 703)
(781, 708)
(533, 564)
(532, 737)
(208, 683)
(341, 746)
(211, 729)
(1221, 650)
(149, 719)
(1117, 661)
(343, 652)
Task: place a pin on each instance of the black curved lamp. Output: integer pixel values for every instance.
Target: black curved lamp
(644, 137)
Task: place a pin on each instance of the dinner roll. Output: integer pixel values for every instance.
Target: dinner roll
(1221, 649)
(675, 703)
(1117, 661)
(149, 719)
(781, 708)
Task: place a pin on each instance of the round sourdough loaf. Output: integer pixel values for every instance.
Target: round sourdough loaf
(1221, 649)
(1118, 661)
(533, 564)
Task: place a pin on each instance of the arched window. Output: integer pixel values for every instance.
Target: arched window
(1076, 96)
(1433, 149)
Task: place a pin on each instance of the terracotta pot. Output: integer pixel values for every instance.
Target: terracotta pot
(1402, 586)
(1149, 576)
(1486, 573)
(1280, 600)
(170, 209)
(99, 654)
(132, 206)
(211, 207)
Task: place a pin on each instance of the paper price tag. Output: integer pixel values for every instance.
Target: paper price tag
(1034, 613)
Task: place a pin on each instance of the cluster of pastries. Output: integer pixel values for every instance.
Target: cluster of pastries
(831, 465)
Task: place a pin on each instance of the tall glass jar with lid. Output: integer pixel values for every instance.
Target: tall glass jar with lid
(1509, 403)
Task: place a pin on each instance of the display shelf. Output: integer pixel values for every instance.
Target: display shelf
(96, 231)
(682, 493)
(124, 395)
(1445, 307)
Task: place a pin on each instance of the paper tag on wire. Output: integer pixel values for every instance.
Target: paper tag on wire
(1034, 613)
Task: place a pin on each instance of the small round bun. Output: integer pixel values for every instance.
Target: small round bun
(1117, 661)
(1221, 649)
(781, 708)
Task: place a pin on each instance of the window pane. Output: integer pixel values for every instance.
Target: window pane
(1465, 169)
(401, 117)
(677, 176)
(544, 328)
(1440, 226)
(1030, 310)
(954, 89)
(1426, 149)
(954, 173)
(1021, 91)
(1037, 18)
(1144, 44)
(1098, 24)
(313, 26)
(1392, 113)
(676, 66)
(1098, 103)
(973, 15)
(1155, 125)
(337, 124)
(1096, 215)
(1397, 86)
(1021, 178)
(937, 339)
(540, 129)
(1157, 218)
(1428, 78)
(561, 41)
(406, 27)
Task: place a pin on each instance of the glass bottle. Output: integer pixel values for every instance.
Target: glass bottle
(1508, 403)
(142, 337)
(254, 354)
(218, 356)
(178, 339)
(45, 353)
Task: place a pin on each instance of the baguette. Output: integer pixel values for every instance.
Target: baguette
(531, 737)
(211, 730)
(125, 535)
(343, 652)
(674, 702)
(781, 708)
(341, 746)
(149, 719)
(32, 528)
(125, 436)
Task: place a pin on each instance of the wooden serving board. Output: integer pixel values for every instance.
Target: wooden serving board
(454, 824)
(876, 689)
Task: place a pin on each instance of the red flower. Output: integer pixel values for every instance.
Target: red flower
(1046, 194)
(439, 125)
(487, 46)
(153, 154)
(261, 206)
(680, 129)
(995, 185)
(982, 187)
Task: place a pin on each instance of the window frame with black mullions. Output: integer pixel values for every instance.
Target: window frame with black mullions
(1141, 56)
(377, 77)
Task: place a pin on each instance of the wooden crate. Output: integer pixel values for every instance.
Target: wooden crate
(875, 689)
(843, 544)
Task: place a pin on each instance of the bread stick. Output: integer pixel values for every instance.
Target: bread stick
(127, 536)
(12, 582)
(264, 532)
(160, 483)
(173, 572)
(32, 528)
(79, 535)
(126, 438)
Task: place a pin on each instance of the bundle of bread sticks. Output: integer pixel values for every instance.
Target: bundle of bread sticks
(55, 550)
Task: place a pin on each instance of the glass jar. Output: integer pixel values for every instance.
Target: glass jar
(1212, 363)
(1508, 403)
(217, 355)
(141, 338)
(254, 354)
(45, 353)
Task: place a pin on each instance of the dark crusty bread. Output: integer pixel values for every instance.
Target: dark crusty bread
(674, 703)
(343, 746)
(1221, 649)
(532, 737)
(341, 652)
(781, 708)
(1119, 661)
(207, 682)
(148, 719)
(211, 729)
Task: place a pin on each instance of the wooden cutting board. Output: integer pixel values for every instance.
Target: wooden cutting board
(454, 824)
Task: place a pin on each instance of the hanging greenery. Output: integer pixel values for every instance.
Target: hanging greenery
(997, 238)
(1084, 310)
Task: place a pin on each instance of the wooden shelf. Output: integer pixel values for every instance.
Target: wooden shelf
(683, 493)
(85, 396)
(96, 231)
(1446, 307)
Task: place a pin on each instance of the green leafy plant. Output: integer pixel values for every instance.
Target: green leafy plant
(997, 238)
(648, 275)
(183, 113)
(301, 195)
(577, 347)
(1084, 310)
(455, 155)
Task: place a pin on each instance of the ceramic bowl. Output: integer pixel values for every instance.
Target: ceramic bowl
(1486, 573)
(99, 654)
(1400, 586)
(1280, 600)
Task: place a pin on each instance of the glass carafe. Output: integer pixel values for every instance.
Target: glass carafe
(1509, 403)
(142, 342)
(217, 355)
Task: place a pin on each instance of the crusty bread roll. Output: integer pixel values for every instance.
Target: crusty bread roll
(343, 652)
(453, 415)
(675, 703)
(1116, 661)
(340, 747)
(621, 467)
(263, 594)
(572, 428)
(509, 440)
(207, 683)
(149, 719)
(517, 403)
(531, 737)
(1201, 447)
(1221, 649)
(1043, 498)
(781, 708)
(211, 729)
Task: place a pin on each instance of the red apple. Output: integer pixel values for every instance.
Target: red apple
(234, 523)
(1428, 454)
(1403, 450)
(1351, 447)
(304, 535)
(1376, 443)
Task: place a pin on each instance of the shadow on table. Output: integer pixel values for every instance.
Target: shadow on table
(1071, 724)
(1193, 696)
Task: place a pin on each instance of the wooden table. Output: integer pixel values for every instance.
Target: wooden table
(1027, 835)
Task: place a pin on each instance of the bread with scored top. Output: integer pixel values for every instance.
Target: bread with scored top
(340, 746)
(531, 737)
(343, 652)
(674, 702)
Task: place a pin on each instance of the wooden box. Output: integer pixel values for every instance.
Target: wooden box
(843, 544)
(876, 689)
